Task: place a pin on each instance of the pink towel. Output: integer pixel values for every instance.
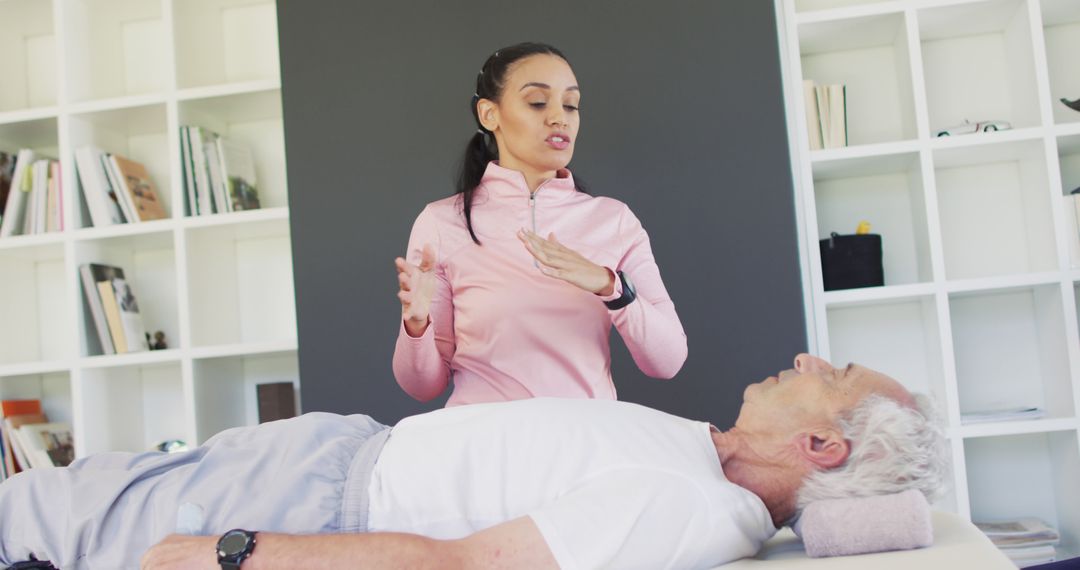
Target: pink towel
(839, 527)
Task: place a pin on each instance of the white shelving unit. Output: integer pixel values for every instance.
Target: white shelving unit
(125, 75)
(981, 248)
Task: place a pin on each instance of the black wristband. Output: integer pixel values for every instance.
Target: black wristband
(628, 294)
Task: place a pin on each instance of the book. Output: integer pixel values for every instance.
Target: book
(813, 120)
(19, 459)
(53, 207)
(96, 191)
(832, 114)
(47, 444)
(130, 318)
(1022, 532)
(277, 401)
(238, 170)
(134, 182)
(1031, 555)
(214, 170)
(7, 170)
(1002, 415)
(112, 315)
(91, 274)
(11, 408)
(117, 184)
(19, 407)
(15, 207)
(188, 171)
(202, 178)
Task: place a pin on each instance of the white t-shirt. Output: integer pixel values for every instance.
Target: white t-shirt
(609, 484)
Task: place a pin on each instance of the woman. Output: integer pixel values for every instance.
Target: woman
(490, 302)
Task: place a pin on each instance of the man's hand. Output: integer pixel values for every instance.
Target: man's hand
(416, 284)
(182, 552)
(558, 261)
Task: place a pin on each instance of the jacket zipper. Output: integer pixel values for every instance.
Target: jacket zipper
(532, 209)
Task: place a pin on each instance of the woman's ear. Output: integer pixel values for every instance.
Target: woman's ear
(826, 448)
(488, 112)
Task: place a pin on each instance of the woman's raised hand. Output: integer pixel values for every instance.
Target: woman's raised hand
(558, 261)
(416, 284)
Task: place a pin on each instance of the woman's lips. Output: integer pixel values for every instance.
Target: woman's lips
(558, 142)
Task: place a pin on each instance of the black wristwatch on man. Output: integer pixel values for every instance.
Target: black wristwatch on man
(234, 547)
(628, 293)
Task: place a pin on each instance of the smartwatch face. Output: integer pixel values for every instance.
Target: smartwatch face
(233, 543)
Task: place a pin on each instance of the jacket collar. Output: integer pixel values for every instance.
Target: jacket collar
(504, 182)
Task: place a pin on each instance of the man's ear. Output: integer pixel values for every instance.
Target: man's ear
(488, 112)
(825, 448)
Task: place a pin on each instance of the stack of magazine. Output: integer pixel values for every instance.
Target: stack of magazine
(117, 190)
(1003, 415)
(30, 194)
(29, 440)
(114, 309)
(219, 173)
(826, 115)
(1026, 541)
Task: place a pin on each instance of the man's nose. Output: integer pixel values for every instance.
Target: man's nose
(809, 363)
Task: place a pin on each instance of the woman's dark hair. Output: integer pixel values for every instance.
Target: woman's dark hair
(481, 148)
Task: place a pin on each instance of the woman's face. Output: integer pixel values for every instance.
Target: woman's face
(536, 118)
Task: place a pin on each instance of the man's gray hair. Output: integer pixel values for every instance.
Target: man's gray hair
(893, 448)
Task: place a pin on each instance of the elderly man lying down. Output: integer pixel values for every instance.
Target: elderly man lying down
(539, 483)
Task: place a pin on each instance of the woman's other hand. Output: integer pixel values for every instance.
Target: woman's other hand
(416, 285)
(558, 261)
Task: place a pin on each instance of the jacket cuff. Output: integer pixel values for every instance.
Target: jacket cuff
(618, 287)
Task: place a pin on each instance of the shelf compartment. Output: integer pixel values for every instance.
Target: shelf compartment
(33, 301)
(888, 192)
(225, 41)
(979, 65)
(899, 338)
(29, 47)
(994, 209)
(1061, 29)
(136, 133)
(225, 388)
(115, 48)
(1027, 475)
(149, 264)
(39, 135)
(254, 119)
(53, 389)
(240, 283)
(132, 408)
(871, 56)
(1010, 349)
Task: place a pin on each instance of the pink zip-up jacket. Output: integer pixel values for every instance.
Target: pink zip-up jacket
(501, 329)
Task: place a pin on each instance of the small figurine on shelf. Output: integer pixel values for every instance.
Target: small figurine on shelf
(1074, 104)
(158, 342)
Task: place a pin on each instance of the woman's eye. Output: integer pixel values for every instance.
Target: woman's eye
(570, 108)
(538, 105)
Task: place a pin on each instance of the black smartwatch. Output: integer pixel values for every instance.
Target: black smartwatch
(234, 547)
(628, 293)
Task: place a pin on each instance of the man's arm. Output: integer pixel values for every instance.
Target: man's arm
(514, 544)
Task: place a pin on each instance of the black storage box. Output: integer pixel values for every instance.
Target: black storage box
(852, 261)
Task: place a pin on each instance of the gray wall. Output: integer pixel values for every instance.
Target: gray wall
(682, 118)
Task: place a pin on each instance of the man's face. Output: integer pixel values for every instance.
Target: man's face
(814, 394)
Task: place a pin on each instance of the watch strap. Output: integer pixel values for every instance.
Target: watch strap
(628, 294)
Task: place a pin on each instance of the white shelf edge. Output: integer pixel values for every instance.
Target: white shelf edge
(27, 115)
(864, 151)
(980, 284)
(117, 103)
(848, 297)
(125, 229)
(244, 349)
(30, 368)
(983, 139)
(245, 217)
(32, 240)
(131, 359)
(243, 88)
(1067, 129)
(994, 429)
(849, 12)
